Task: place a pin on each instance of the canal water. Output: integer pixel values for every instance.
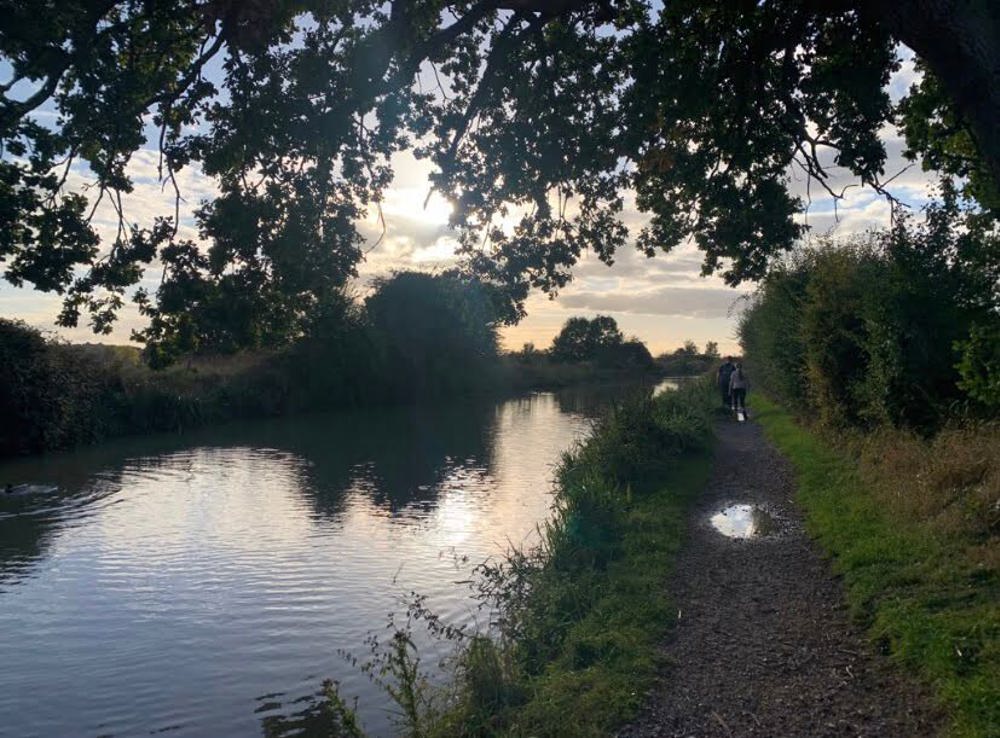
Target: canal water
(206, 584)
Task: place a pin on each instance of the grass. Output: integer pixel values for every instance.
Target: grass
(601, 671)
(908, 525)
(578, 619)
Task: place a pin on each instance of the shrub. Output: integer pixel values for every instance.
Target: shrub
(52, 395)
(979, 366)
(435, 333)
(893, 328)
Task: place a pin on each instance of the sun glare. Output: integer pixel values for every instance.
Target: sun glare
(414, 204)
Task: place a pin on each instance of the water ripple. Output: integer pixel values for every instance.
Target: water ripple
(160, 591)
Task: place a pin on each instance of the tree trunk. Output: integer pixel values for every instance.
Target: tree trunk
(959, 40)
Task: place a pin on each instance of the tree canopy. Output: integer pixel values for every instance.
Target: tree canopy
(582, 340)
(537, 116)
(600, 340)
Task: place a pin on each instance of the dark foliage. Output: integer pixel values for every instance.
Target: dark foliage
(418, 336)
(581, 339)
(891, 329)
(438, 333)
(687, 361)
(600, 341)
(548, 110)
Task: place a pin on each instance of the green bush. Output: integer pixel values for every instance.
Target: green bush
(980, 365)
(893, 328)
(52, 395)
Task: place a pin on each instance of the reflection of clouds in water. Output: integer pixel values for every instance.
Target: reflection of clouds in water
(237, 499)
(745, 521)
(254, 553)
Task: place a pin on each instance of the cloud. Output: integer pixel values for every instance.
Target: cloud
(906, 76)
(670, 301)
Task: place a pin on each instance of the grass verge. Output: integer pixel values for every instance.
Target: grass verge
(591, 654)
(925, 590)
(579, 618)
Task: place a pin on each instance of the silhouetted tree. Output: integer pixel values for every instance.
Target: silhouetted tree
(438, 331)
(582, 340)
(687, 361)
(700, 108)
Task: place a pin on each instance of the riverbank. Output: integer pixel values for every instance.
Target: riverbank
(57, 396)
(910, 528)
(575, 620)
(578, 617)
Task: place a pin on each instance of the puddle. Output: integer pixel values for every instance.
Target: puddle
(745, 521)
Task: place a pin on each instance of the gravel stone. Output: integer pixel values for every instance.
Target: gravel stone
(763, 644)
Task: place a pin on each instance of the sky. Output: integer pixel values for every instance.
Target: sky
(663, 300)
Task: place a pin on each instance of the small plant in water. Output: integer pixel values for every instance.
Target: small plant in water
(394, 666)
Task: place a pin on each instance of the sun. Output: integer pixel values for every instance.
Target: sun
(414, 204)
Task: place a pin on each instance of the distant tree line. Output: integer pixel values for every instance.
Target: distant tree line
(600, 342)
(899, 327)
(688, 361)
(595, 341)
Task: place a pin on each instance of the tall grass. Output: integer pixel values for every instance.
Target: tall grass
(948, 485)
(913, 525)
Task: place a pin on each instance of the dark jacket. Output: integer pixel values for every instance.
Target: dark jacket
(725, 372)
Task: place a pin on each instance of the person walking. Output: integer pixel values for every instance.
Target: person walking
(738, 386)
(725, 372)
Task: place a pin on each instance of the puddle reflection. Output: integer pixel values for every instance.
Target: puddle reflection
(745, 521)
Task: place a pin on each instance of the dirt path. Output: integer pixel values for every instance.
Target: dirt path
(764, 645)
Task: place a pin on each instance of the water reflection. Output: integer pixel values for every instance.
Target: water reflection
(669, 384)
(172, 580)
(745, 521)
(22, 542)
(592, 399)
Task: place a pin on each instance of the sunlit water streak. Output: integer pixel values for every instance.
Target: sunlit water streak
(203, 584)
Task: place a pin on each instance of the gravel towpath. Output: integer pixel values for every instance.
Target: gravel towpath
(764, 645)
